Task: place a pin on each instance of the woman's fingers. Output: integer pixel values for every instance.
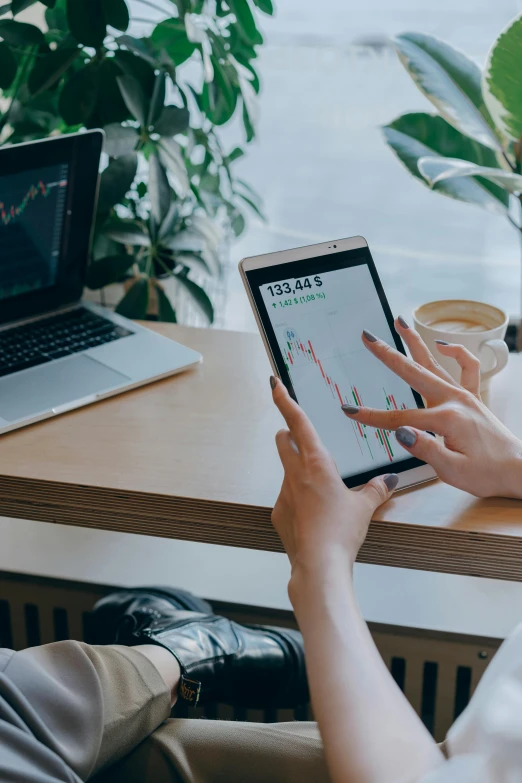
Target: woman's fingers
(380, 489)
(420, 352)
(427, 448)
(425, 382)
(287, 449)
(469, 364)
(303, 432)
(423, 418)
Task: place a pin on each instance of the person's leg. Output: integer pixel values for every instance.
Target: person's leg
(213, 751)
(73, 709)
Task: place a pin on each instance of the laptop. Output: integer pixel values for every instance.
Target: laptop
(58, 352)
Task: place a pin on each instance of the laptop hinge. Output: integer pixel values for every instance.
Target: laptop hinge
(40, 316)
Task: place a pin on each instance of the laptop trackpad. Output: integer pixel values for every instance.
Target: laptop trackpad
(42, 388)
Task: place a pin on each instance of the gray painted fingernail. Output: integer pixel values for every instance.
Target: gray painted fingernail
(273, 382)
(350, 409)
(406, 436)
(403, 323)
(391, 481)
(369, 336)
(441, 342)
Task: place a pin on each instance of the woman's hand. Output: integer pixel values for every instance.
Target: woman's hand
(477, 453)
(318, 519)
(370, 732)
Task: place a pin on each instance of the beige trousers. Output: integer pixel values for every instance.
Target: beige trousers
(104, 711)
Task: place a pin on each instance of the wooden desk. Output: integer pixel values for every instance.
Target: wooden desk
(193, 457)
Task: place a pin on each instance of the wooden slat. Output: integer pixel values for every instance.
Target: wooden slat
(193, 457)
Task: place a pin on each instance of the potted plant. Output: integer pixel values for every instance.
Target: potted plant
(471, 148)
(169, 195)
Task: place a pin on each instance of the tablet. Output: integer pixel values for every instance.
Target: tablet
(311, 305)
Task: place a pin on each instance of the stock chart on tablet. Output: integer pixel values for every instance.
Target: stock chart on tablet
(318, 321)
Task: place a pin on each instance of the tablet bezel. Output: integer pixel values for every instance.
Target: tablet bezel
(259, 270)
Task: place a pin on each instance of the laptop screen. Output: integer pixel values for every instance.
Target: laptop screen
(48, 194)
(32, 211)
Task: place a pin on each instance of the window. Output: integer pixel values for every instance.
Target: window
(330, 79)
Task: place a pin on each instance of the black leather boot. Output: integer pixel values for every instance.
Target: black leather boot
(249, 666)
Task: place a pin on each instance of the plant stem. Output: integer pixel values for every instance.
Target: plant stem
(511, 166)
(519, 330)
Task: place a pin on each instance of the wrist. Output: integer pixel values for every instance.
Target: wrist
(321, 576)
(512, 477)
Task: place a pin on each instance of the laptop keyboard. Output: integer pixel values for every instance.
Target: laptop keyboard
(52, 338)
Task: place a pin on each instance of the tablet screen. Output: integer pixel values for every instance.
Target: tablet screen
(316, 317)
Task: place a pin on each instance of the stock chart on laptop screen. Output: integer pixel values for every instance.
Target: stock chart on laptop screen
(32, 211)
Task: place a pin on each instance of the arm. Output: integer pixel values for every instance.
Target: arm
(370, 732)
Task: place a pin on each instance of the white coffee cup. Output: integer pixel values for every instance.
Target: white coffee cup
(477, 326)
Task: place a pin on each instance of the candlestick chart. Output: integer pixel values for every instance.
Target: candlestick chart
(299, 350)
(32, 210)
(329, 366)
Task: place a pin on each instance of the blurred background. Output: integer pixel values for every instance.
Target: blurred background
(330, 78)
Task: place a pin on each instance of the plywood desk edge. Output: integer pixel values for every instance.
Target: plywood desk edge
(404, 545)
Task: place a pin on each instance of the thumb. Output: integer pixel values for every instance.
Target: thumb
(380, 489)
(423, 446)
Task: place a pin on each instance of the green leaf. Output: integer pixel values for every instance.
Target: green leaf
(120, 140)
(441, 139)
(141, 47)
(126, 232)
(87, 21)
(198, 294)
(49, 3)
(253, 206)
(245, 20)
(79, 95)
(159, 190)
(20, 5)
(501, 82)
(451, 81)
(238, 223)
(134, 98)
(50, 68)
(170, 222)
(194, 261)
(132, 65)
(5, 9)
(441, 169)
(171, 156)
(116, 14)
(172, 120)
(408, 149)
(116, 181)
(171, 35)
(107, 270)
(166, 312)
(20, 33)
(249, 128)
(8, 66)
(110, 106)
(236, 153)
(56, 17)
(136, 301)
(224, 85)
(158, 99)
(266, 6)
